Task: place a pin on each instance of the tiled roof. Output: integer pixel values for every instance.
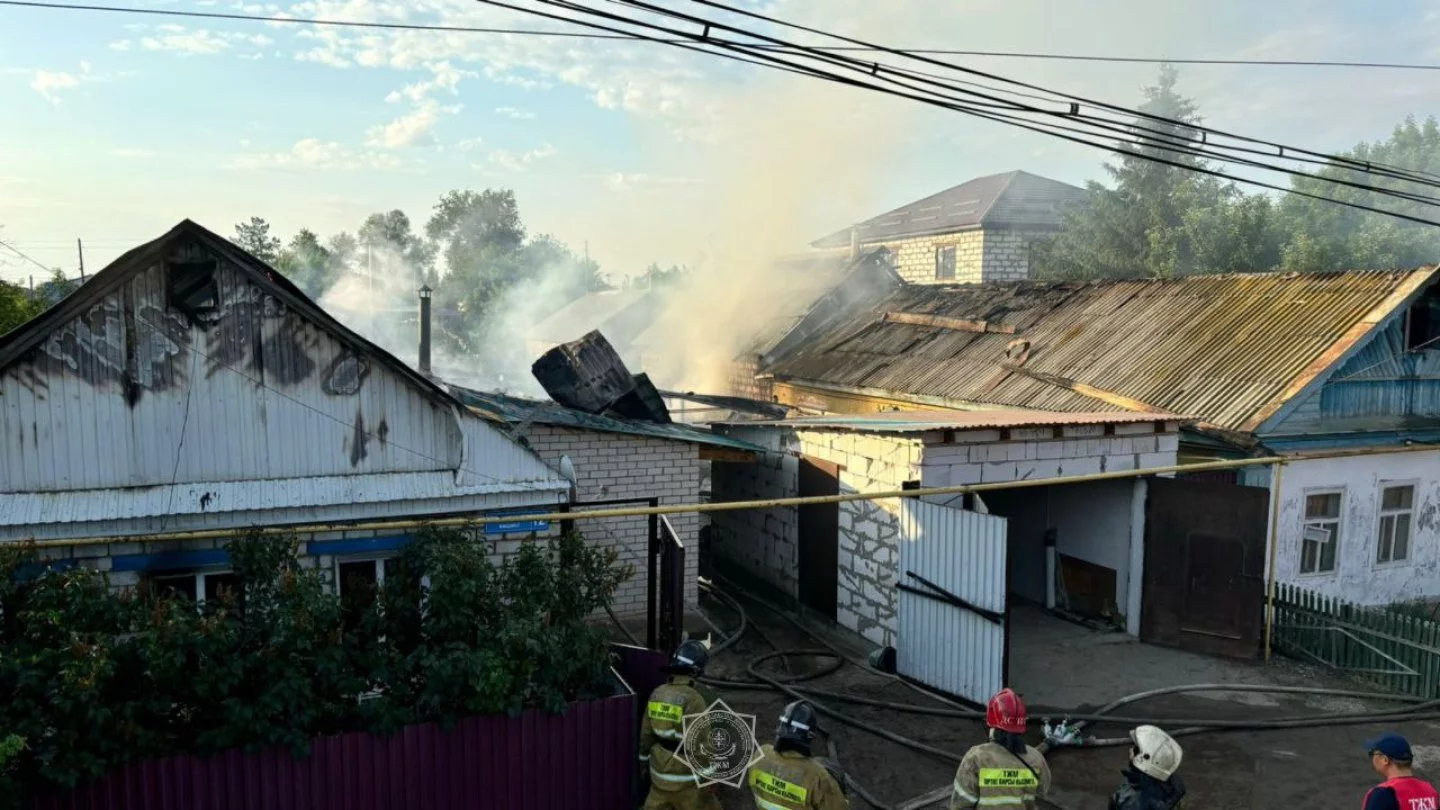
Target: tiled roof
(1228, 349)
(1014, 200)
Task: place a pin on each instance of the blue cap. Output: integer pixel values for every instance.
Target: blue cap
(1391, 745)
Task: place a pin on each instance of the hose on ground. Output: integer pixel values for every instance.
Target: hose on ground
(1419, 710)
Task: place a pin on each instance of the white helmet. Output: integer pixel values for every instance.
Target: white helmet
(1155, 753)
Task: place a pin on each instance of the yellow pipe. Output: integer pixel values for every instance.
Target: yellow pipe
(672, 509)
(1274, 545)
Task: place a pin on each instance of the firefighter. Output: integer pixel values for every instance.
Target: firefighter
(1003, 771)
(1391, 757)
(672, 784)
(788, 777)
(1151, 782)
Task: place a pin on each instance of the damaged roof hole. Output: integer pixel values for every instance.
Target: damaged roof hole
(192, 287)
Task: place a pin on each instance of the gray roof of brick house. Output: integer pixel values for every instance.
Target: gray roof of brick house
(1011, 201)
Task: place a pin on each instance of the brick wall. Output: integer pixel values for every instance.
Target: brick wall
(762, 542)
(614, 465)
(869, 530)
(980, 256)
(980, 457)
(743, 382)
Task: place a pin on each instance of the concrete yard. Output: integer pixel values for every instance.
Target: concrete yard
(1057, 664)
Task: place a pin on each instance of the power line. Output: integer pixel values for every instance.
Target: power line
(462, 29)
(24, 256)
(705, 42)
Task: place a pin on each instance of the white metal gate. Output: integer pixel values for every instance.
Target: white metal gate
(952, 585)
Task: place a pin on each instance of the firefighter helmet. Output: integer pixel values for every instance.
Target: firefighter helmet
(690, 657)
(798, 724)
(1006, 712)
(1155, 753)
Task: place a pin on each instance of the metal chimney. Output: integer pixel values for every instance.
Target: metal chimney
(855, 243)
(425, 329)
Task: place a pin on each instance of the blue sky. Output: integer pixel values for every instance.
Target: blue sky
(118, 126)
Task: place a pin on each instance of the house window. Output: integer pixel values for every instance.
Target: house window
(1397, 513)
(197, 586)
(1422, 327)
(945, 262)
(358, 581)
(1321, 534)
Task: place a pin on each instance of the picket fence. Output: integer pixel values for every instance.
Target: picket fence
(1385, 647)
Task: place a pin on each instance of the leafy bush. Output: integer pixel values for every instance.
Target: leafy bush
(91, 678)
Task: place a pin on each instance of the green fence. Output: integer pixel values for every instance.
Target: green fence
(1382, 646)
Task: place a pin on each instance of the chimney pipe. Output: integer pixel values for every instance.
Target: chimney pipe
(425, 329)
(854, 243)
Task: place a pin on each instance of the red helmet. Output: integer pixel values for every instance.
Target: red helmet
(1006, 711)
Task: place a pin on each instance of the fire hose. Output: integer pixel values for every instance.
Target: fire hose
(1419, 709)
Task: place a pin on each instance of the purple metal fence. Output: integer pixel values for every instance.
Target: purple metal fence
(580, 760)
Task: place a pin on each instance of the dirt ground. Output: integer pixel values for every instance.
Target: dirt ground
(1318, 768)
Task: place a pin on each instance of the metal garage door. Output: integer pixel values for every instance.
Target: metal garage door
(953, 632)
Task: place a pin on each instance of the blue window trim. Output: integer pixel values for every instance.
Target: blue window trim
(171, 560)
(363, 545)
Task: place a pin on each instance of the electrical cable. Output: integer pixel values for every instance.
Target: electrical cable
(1040, 127)
(1029, 86)
(875, 69)
(837, 48)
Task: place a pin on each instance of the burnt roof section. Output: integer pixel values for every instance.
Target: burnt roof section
(1011, 201)
(20, 341)
(1228, 349)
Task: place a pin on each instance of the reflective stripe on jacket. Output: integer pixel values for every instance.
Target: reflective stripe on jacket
(991, 776)
(789, 780)
(663, 730)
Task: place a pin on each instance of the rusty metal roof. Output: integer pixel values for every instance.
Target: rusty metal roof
(1014, 200)
(1228, 349)
(919, 421)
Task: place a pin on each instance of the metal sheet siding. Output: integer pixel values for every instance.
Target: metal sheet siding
(941, 645)
(582, 759)
(1220, 348)
(133, 393)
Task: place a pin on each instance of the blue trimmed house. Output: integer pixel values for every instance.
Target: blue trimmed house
(1339, 372)
(189, 387)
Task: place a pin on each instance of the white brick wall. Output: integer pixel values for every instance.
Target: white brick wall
(980, 256)
(613, 465)
(762, 542)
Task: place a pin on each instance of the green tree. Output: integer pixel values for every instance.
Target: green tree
(653, 277)
(344, 248)
(254, 237)
(17, 306)
(1161, 220)
(482, 239)
(308, 263)
(1326, 236)
(391, 230)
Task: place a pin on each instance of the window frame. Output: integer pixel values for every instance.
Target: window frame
(1336, 533)
(1381, 513)
(1430, 341)
(199, 575)
(378, 560)
(954, 253)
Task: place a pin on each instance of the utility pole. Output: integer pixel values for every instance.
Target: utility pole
(80, 252)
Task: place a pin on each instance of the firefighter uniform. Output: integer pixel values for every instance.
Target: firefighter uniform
(991, 776)
(790, 780)
(672, 785)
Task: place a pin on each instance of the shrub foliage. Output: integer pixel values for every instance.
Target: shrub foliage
(91, 677)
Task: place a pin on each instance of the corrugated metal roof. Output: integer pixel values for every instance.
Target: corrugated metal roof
(1014, 200)
(918, 421)
(514, 410)
(1229, 349)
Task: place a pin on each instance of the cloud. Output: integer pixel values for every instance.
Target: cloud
(520, 161)
(198, 42)
(413, 129)
(641, 181)
(51, 84)
(132, 153)
(313, 153)
(120, 45)
(512, 112)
